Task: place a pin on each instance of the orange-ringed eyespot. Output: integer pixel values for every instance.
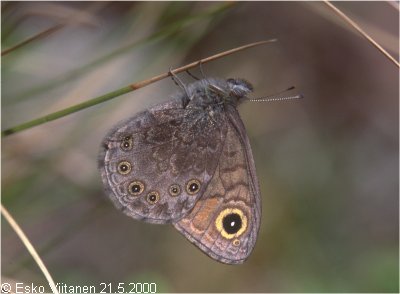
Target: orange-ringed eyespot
(231, 222)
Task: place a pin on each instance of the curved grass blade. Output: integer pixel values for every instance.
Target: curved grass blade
(29, 247)
(164, 33)
(362, 32)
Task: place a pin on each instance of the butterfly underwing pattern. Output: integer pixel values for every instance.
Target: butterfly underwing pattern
(188, 162)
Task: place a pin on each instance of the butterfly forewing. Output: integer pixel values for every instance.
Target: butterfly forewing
(225, 221)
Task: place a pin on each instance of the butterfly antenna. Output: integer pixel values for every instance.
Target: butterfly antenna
(275, 97)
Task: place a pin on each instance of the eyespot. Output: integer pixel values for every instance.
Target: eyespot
(153, 197)
(174, 190)
(236, 242)
(193, 186)
(136, 188)
(127, 143)
(231, 222)
(124, 167)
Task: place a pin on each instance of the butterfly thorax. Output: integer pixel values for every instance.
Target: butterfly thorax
(214, 95)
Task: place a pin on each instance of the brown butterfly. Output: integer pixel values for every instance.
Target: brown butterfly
(188, 162)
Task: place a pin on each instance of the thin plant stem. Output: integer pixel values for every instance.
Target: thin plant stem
(38, 36)
(17, 229)
(362, 32)
(121, 91)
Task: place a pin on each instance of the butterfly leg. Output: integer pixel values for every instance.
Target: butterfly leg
(201, 70)
(192, 75)
(180, 84)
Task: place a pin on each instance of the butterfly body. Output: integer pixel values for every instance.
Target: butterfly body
(188, 162)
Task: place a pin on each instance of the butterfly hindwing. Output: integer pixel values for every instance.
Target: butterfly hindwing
(156, 165)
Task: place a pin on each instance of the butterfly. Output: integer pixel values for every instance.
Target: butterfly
(188, 162)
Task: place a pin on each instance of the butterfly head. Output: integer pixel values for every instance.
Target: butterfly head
(238, 90)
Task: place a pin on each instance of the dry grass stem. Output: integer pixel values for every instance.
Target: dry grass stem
(361, 31)
(121, 91)
(29, 247)
(197, 63)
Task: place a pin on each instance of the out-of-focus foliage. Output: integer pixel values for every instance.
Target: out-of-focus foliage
(327, 165)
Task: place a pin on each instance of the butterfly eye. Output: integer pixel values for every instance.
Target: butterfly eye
(136, 188)
(127, 143)
(174, 190)
(153, 197)
(231, 223)
(124, 167)
(192, 187)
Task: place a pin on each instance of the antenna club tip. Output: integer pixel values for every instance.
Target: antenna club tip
(267, 41)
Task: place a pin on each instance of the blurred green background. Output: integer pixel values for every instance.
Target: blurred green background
(327, 165)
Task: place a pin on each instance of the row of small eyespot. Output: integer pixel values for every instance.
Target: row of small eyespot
(136, 188)
(127, 143)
